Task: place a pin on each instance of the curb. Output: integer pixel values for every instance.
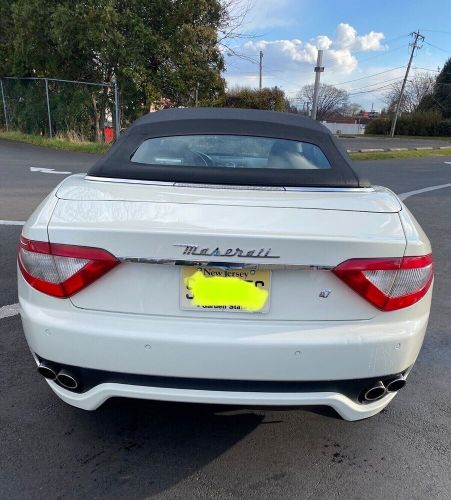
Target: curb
(380, 150)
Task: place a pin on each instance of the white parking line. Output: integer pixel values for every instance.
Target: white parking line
(12, 222)
(48, 171)
(11, 310)
(403, 196)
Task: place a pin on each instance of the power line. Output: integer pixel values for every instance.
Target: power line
(397, 38)
(397, 78)
(368, 76)
(352, 91)
(382, 53)
(427, 69)
(370, 91)
(439, 48)
(439, 31)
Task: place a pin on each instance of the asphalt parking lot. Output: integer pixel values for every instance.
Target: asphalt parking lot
(141, 449)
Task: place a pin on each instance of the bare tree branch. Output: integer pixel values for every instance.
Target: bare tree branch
(231, 27)
(331, 100)
(418, 86)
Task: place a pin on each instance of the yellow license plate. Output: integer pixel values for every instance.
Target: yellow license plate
(225, 289)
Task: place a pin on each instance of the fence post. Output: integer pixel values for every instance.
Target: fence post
(117, 116)
(4, 105)
(48, 107)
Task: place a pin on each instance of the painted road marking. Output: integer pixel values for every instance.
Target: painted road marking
(11, 310)
(12, 222)
(48, 171)
(447, 162)
(403, 196)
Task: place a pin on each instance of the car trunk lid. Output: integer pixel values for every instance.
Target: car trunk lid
(299, 236)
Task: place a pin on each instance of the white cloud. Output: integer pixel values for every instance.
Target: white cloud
(323, 42)
(289, 63)
(346, 38)
(338, 50)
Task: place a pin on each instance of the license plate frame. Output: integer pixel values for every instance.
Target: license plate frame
(260, 277)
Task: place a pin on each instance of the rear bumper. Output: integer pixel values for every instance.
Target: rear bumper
(219, 349)
(345, 407)
(93, 387)
(234, 349)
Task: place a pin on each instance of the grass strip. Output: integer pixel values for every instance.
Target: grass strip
(83, 147)
(396, 155)
(100, 148)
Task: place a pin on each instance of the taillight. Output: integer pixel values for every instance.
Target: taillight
(389, 284)
(62, 270)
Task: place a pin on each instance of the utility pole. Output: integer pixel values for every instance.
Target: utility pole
(4, 105)
(261, 70)
(196, 95)
(415, 45)
(48, 107)
(117, 116)
(318, 70)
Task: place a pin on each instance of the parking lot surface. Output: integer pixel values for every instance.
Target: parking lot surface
(141, 449)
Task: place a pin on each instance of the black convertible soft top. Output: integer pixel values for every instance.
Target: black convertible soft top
(217, 121)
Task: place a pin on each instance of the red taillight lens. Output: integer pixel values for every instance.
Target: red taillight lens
(389, 284)
(62, 270)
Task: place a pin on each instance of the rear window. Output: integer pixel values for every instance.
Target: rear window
(234, 151)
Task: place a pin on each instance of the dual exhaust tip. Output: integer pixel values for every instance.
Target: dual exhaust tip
(373, 393)
(380, 389)
(63, 377)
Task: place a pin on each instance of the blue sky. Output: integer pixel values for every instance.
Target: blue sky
(359, 38)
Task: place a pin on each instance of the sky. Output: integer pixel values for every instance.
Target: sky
(365, 43)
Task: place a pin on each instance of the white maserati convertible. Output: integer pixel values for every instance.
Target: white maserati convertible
(225, 256)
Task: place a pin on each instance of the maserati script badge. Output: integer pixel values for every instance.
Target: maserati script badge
(195, 250)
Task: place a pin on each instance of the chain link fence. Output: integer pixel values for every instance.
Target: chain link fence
(74, 110)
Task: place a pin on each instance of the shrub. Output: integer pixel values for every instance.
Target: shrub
(443, 128)
(378, 126)
(421, 123)
(267, 98)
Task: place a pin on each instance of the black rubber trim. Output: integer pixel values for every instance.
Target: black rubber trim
(89, 378)
(116, 163)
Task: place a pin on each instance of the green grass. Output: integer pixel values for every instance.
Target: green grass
(389, 155)
(98, 148)
(411, 137)
(84, 147)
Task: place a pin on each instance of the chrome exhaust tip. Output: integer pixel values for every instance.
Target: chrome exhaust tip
(47, 371)
(375, 392)
(67, 380)
(396, 384)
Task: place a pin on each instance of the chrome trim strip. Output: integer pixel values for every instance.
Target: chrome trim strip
(126, 181)
(330, 189)
(220, 264)
(234, 187)
(231, 186)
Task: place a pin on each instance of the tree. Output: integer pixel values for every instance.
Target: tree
(331, 100)
(351, 109)
(156, 49)
(417, 88)
(440, 98)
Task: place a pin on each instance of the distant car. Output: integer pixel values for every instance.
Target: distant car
(225, 256)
